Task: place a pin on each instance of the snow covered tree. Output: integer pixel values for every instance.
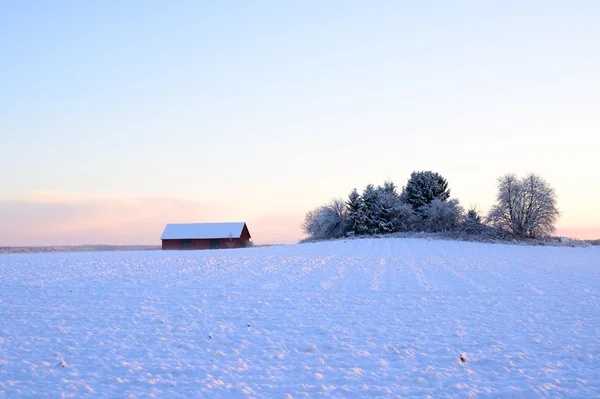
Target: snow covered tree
(328, 221)
(230, 243)
(404, 218)
(441, 215)
(384, 218)
(424, 187)
(354, 207)
(378, 211)
(370, 210)
(388, 200)
(388, 187)
(472, 222)
(396, 215)
(337, 207)
(526, 207)
(472, 217)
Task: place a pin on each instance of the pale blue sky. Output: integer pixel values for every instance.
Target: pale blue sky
(269, 108)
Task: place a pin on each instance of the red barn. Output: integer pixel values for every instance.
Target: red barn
(205, 236)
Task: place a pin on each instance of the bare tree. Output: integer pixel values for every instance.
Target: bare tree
(328, 221)
(526, 207)
(230, 243)
(404, 217)
(442, 215)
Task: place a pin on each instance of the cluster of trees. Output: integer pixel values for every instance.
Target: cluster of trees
(524, 208)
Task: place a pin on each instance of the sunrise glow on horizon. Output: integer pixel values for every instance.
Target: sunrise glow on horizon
(119, 117)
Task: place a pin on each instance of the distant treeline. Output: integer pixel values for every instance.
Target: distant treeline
(78, 248)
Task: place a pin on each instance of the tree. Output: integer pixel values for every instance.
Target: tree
(384, 218)
(424, 187)
(328, 221)
(388, 187)
(404, 217)
(370, 210)
(472, 217)
(230, 243)
(387, 200)
(337, 210)
(472, 223)
(526, 207)
(442, 215)
(354, 208)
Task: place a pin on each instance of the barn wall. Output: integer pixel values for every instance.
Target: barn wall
(204, 244)
(170, 244)
(200, 244)
(231, 243)
(245, 236)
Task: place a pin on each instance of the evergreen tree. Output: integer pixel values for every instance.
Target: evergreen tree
(424, 187)
(472, 217)
(370, 210)
(389, 187)
(384, 218)
(388, 200)
(354, 208)
(472, 222)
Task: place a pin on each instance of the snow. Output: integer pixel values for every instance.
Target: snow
(202, 230)
(356, 318)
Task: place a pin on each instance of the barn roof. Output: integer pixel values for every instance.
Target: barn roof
(202, 231)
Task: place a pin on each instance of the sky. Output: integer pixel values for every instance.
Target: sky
(117, 117)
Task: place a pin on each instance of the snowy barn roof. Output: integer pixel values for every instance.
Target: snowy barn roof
(202, 231)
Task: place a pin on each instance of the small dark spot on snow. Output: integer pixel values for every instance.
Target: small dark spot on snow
(463, 357)
(248, 325)
(210, 336)
(70, 290)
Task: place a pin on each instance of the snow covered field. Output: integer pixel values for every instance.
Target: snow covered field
(363, 318)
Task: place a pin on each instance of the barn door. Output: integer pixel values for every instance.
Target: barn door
(215, 244)
(185, 244)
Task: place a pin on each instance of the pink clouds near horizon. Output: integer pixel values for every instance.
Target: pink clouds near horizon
(580, 232)
(71, 219)
(50, 218)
